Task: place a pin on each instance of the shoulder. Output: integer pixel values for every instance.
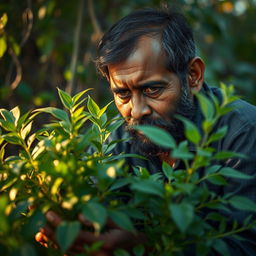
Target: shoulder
(243, 114)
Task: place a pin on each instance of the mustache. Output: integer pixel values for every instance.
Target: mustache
(147, 121)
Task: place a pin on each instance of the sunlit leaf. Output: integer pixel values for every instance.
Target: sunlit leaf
(7, 115)
(93, 107)
(3, 46)
(12, 138)
(3, 20)
(26, 130)
(79, 95)
(16, 113)
(103, 110)
(65, 98)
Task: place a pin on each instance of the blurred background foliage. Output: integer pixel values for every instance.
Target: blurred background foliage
(46, 44)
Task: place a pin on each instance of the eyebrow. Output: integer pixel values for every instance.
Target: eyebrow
(141, 86)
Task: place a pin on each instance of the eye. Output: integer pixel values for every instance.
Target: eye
(123, 94)
(152, 91)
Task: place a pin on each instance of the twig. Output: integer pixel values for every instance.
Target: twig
(27, 16)
(18, 76)
(95, 23)
(71, 85)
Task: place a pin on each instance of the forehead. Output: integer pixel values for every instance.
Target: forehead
(147, 56)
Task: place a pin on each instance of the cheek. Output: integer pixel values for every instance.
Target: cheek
(123, 109)
(165, 107)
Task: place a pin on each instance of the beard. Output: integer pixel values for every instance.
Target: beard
(142, 145)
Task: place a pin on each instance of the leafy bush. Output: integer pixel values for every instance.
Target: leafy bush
(68, 166)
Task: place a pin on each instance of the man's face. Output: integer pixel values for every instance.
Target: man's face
(145, 92)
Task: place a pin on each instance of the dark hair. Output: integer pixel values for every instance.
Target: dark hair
(170, 26)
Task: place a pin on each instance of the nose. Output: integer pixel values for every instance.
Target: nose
(139, 108)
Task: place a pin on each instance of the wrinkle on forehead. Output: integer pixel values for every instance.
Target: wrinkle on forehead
(146, 59)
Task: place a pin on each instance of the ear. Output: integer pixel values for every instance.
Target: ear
(196, 74)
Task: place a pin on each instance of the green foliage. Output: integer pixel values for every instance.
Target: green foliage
(67, 166)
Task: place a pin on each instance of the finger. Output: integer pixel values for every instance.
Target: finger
(41, 238)
(53, 218)
(47, 231)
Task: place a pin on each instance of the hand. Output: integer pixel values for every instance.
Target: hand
(113, 238)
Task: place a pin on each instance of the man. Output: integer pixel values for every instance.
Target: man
(149, 60)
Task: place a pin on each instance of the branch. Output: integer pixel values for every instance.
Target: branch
(96, 26)
(71, 85)
(18, 76)
(27, 17)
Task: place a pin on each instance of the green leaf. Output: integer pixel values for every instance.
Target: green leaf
(217, 180)
(119, 183)
(58, 113)
(182, 214)
(138, 250)
(66, 233)
(243, 203)
(191, 131)
(95, 212)
(2, 152)
(8, 126)
(206, 106)
(3, 21)
(79, 95)
(149, 187)
(3, 46)
(157, 135)
(221, 247)
(16, 113)
(182, 152)
(65, 99)
(26, 130)
(207, 125)
(212, 169)
(12, 138)
(167, 170)
(93, 107)
(230, 172)
(122, 220)
(227, 154)
(219, 134)
(7, 115)
(121, 252)
(103, 110)
(114, 125)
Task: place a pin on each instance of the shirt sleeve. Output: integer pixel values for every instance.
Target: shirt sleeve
(242, 139)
